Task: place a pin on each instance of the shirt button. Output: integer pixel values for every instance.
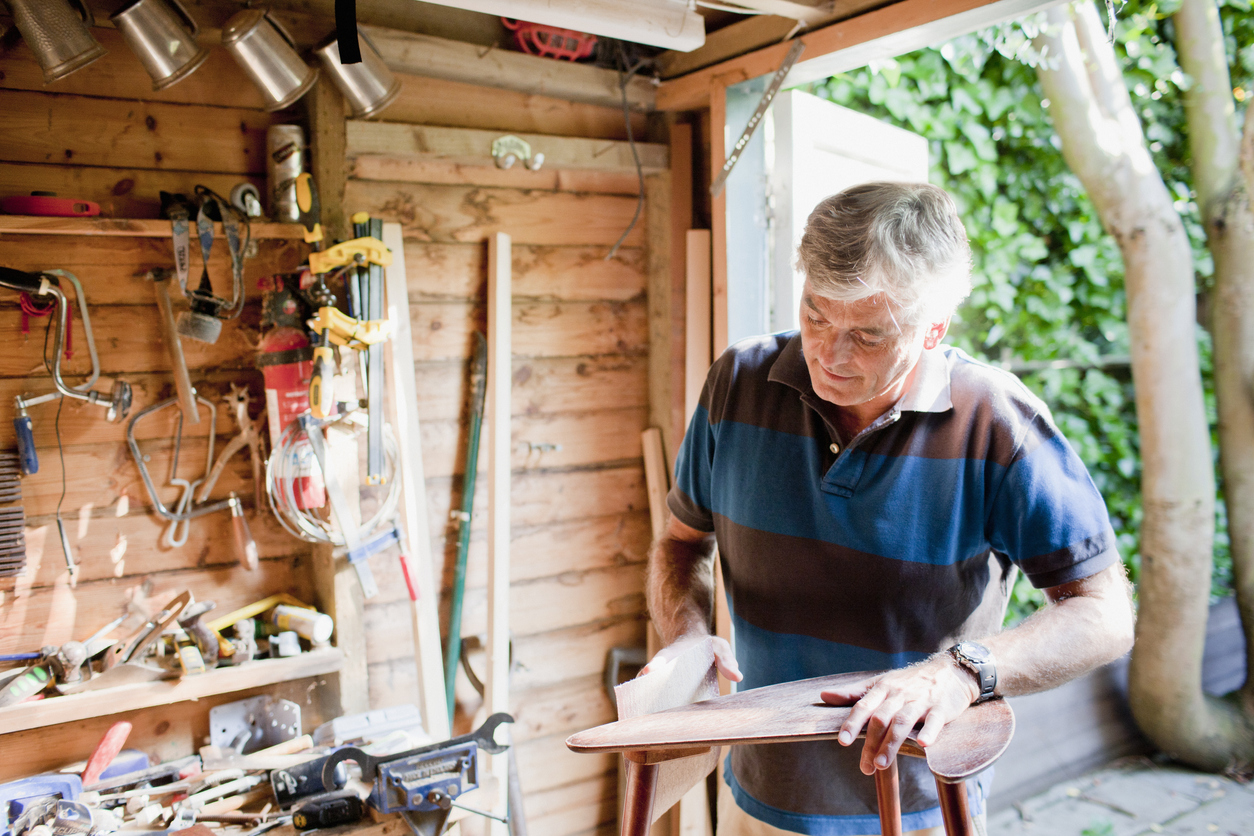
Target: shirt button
(835, 448)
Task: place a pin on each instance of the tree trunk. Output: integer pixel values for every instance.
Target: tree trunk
(1223, 195)
(1103, 144)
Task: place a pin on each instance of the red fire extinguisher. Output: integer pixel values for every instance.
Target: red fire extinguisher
(286, 362)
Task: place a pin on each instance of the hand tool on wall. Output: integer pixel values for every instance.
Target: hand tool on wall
(169, 331)
(203, 321)
(478, 388)
(423, 784)
(249, 435)
(106, 750)
(370, 283)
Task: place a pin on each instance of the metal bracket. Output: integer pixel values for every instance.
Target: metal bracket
(260, 721)
(509, 149)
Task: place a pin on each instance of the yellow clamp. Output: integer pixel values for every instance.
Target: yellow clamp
(342, 329)
(371, 250)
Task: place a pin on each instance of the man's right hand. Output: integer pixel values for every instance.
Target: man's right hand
(724, 659)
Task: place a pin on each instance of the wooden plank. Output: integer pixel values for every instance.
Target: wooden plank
(403, 413)
(566, 439)
(461, 213)
(497, 415)
(129, 546)
(698, 342)
(129, 228)
(718, 221)
(558, 384)
(113, 475)
(538, 606)
(85, 131)
(435, 101)
(551, 657)
(327, 113)
(442, 331)
(408, 170)
(662, 343)
(69, 708)
(424, 55)
(177, 730)
(30, 619)
(121, 192)
(118, 75)
(548, 764)
(129, 341)
(574, 809)
(736, 38)
(541, 497)
(470, 146)
(457, 272)
(672, 418)
(657, 479)
(112, 269)
(894, 29)
(568, 706)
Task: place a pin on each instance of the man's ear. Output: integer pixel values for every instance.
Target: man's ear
(935, 333)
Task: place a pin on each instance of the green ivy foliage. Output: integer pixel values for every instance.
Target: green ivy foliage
(1049, 282)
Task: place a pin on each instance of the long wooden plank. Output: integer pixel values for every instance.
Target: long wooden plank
(536, 606)
(549, 765)
(118, 75)
(894, 29)
(81, 130)
(669, 412)
(698, 343)
(442, 331)
(455, 272)
(121, 192)
(424, 617)
(31, 619)
(101, 227)
(410, 170)
(461, 213)
(110, 546)
(558, 384)
(580, 808)
(424, 55)
(435, 101)
(470, 146)
(152, 694)
(568, 439)
(541, 497)
(100, 475)
(497, 415)
(718, 221)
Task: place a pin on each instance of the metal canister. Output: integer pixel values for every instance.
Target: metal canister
(265, 50)
(368, 86)
(163, 37)
(58, 33)
(285, 160)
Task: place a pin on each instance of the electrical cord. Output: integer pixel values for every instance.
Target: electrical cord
(624, 77)
(293, 459)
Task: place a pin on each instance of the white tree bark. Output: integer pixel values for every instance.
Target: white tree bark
(1104, 145)
(1223, 195)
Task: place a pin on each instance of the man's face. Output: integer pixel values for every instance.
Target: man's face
(856, 353)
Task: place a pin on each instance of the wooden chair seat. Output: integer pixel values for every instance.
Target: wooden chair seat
(793, 712)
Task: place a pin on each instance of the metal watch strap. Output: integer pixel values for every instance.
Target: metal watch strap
(984, 669)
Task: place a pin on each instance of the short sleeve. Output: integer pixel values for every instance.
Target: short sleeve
(1047, 515)
(689, 497)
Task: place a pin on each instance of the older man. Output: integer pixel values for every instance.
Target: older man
(872, 494)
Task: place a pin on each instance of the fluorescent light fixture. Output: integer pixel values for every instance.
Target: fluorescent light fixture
(671, 24)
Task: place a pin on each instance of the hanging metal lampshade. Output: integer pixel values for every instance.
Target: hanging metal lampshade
(58, 33)
(163, 37)
(368, 86)
(265, 50)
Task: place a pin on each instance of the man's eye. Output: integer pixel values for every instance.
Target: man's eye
(868, 342)
(816, 323)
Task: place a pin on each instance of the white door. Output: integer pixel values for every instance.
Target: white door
(821, 148)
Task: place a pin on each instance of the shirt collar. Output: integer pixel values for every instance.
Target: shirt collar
(929, 391)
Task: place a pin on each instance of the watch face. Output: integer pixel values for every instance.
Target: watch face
(974, 651)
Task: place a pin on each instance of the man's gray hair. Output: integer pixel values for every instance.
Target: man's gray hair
(904, 240)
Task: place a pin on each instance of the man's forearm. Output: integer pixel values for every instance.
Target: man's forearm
(680, 587)
(1074, 634)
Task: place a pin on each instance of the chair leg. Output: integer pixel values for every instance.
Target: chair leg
(954, 810)
(638, 798)
(888, 795)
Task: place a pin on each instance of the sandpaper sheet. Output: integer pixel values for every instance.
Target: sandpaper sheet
(690, 677)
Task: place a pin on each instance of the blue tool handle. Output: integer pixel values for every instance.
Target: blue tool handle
(29, 458)
(20, 657)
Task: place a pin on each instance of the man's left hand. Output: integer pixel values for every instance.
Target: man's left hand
(890, 705)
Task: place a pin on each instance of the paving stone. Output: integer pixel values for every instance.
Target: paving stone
(1229, 815)
(1142, 794)
(1070, 817)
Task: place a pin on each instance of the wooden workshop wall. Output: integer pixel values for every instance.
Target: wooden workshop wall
(580, 524)
(103, 134)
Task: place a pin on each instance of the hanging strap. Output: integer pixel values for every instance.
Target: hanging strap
(346, 31)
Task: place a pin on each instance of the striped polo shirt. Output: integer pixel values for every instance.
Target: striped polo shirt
(900, 544)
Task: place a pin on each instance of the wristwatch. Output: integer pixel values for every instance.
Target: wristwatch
(978, 659)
